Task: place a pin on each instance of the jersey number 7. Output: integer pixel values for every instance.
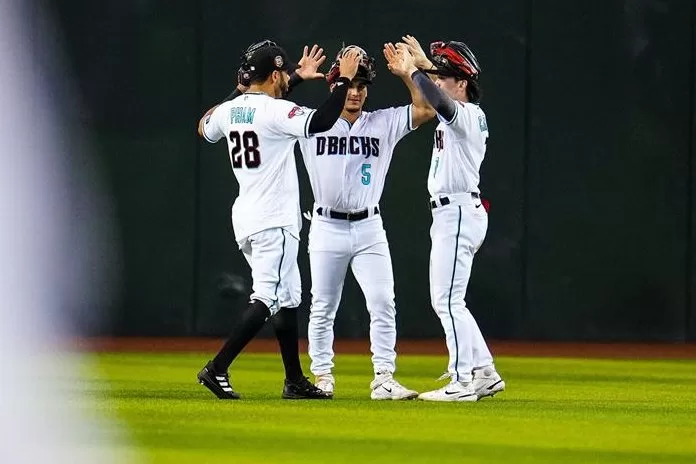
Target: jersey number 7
(248, 141)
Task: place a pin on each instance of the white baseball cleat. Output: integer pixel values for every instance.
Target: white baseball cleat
(325, 382)
(385, 387)
(454, 391)
(487, 382)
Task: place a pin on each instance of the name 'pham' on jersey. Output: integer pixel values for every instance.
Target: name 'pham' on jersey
(353, 145)
(242, 115)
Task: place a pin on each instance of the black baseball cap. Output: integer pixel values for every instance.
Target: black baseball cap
(268, 59)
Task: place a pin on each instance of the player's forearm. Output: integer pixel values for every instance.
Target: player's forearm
(328, 113)
(417, 98)
(444, 105)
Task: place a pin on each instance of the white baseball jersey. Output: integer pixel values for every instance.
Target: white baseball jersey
(261, 132)
(348, 164)
(459, 147)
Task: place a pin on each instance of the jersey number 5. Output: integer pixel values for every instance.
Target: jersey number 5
(249, 142)
(366, 176)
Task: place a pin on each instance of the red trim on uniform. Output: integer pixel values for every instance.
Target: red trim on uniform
(486, 204)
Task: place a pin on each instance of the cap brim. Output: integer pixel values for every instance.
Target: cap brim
(444, 72)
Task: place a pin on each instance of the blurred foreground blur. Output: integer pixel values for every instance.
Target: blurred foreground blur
(58, 255)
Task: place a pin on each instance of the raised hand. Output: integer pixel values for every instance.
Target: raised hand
(420, 58)
(310, 62)
(399, 60)
(395, 60)
(348, 63)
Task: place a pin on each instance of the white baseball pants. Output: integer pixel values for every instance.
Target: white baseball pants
(272, 255)
(457, 232)
(334, 244)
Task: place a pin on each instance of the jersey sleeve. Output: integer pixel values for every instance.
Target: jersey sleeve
(214, 124)
(467, 119)
(399, 122)
(291, 120)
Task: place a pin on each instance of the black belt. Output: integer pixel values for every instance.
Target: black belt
(444, 201)
(354, 216)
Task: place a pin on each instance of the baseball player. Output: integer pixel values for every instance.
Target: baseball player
(459, 219)
(284, 321)
(261, 129)
(347, 168)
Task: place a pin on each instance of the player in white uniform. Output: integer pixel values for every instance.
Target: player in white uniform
(261, 129)
(460, 220)
(347, 168)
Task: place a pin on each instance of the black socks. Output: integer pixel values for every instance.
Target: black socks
(285, 326)
(251, 323)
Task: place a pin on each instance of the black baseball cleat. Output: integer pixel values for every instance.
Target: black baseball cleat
(303, 389)
(217, 383)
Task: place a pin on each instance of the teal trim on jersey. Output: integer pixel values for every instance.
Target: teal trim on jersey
(449, 301)
(366, 175)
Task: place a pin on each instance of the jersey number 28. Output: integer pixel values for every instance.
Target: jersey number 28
(247, 141)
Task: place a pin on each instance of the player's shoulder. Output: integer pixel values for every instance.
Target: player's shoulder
(289, 108)
(217, 113)
(281, 102)
(468, 106)
(474, 114)
(224, 106)
(391, 109)
(470, 110)
(388, 112)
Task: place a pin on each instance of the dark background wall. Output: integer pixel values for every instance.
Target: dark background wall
(589, 167)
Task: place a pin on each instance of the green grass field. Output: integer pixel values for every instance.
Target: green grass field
(554, 410)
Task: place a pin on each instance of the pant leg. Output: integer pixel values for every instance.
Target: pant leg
(456, 234)
(290, 288)
(372, 267)
(329, 255)
(272, 255)
(477, 220)
(481, 353)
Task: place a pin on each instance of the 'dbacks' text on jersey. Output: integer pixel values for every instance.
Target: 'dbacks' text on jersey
(348, 164)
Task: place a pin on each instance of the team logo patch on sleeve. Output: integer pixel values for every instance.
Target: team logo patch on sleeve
(483, 125)
(295, 111)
